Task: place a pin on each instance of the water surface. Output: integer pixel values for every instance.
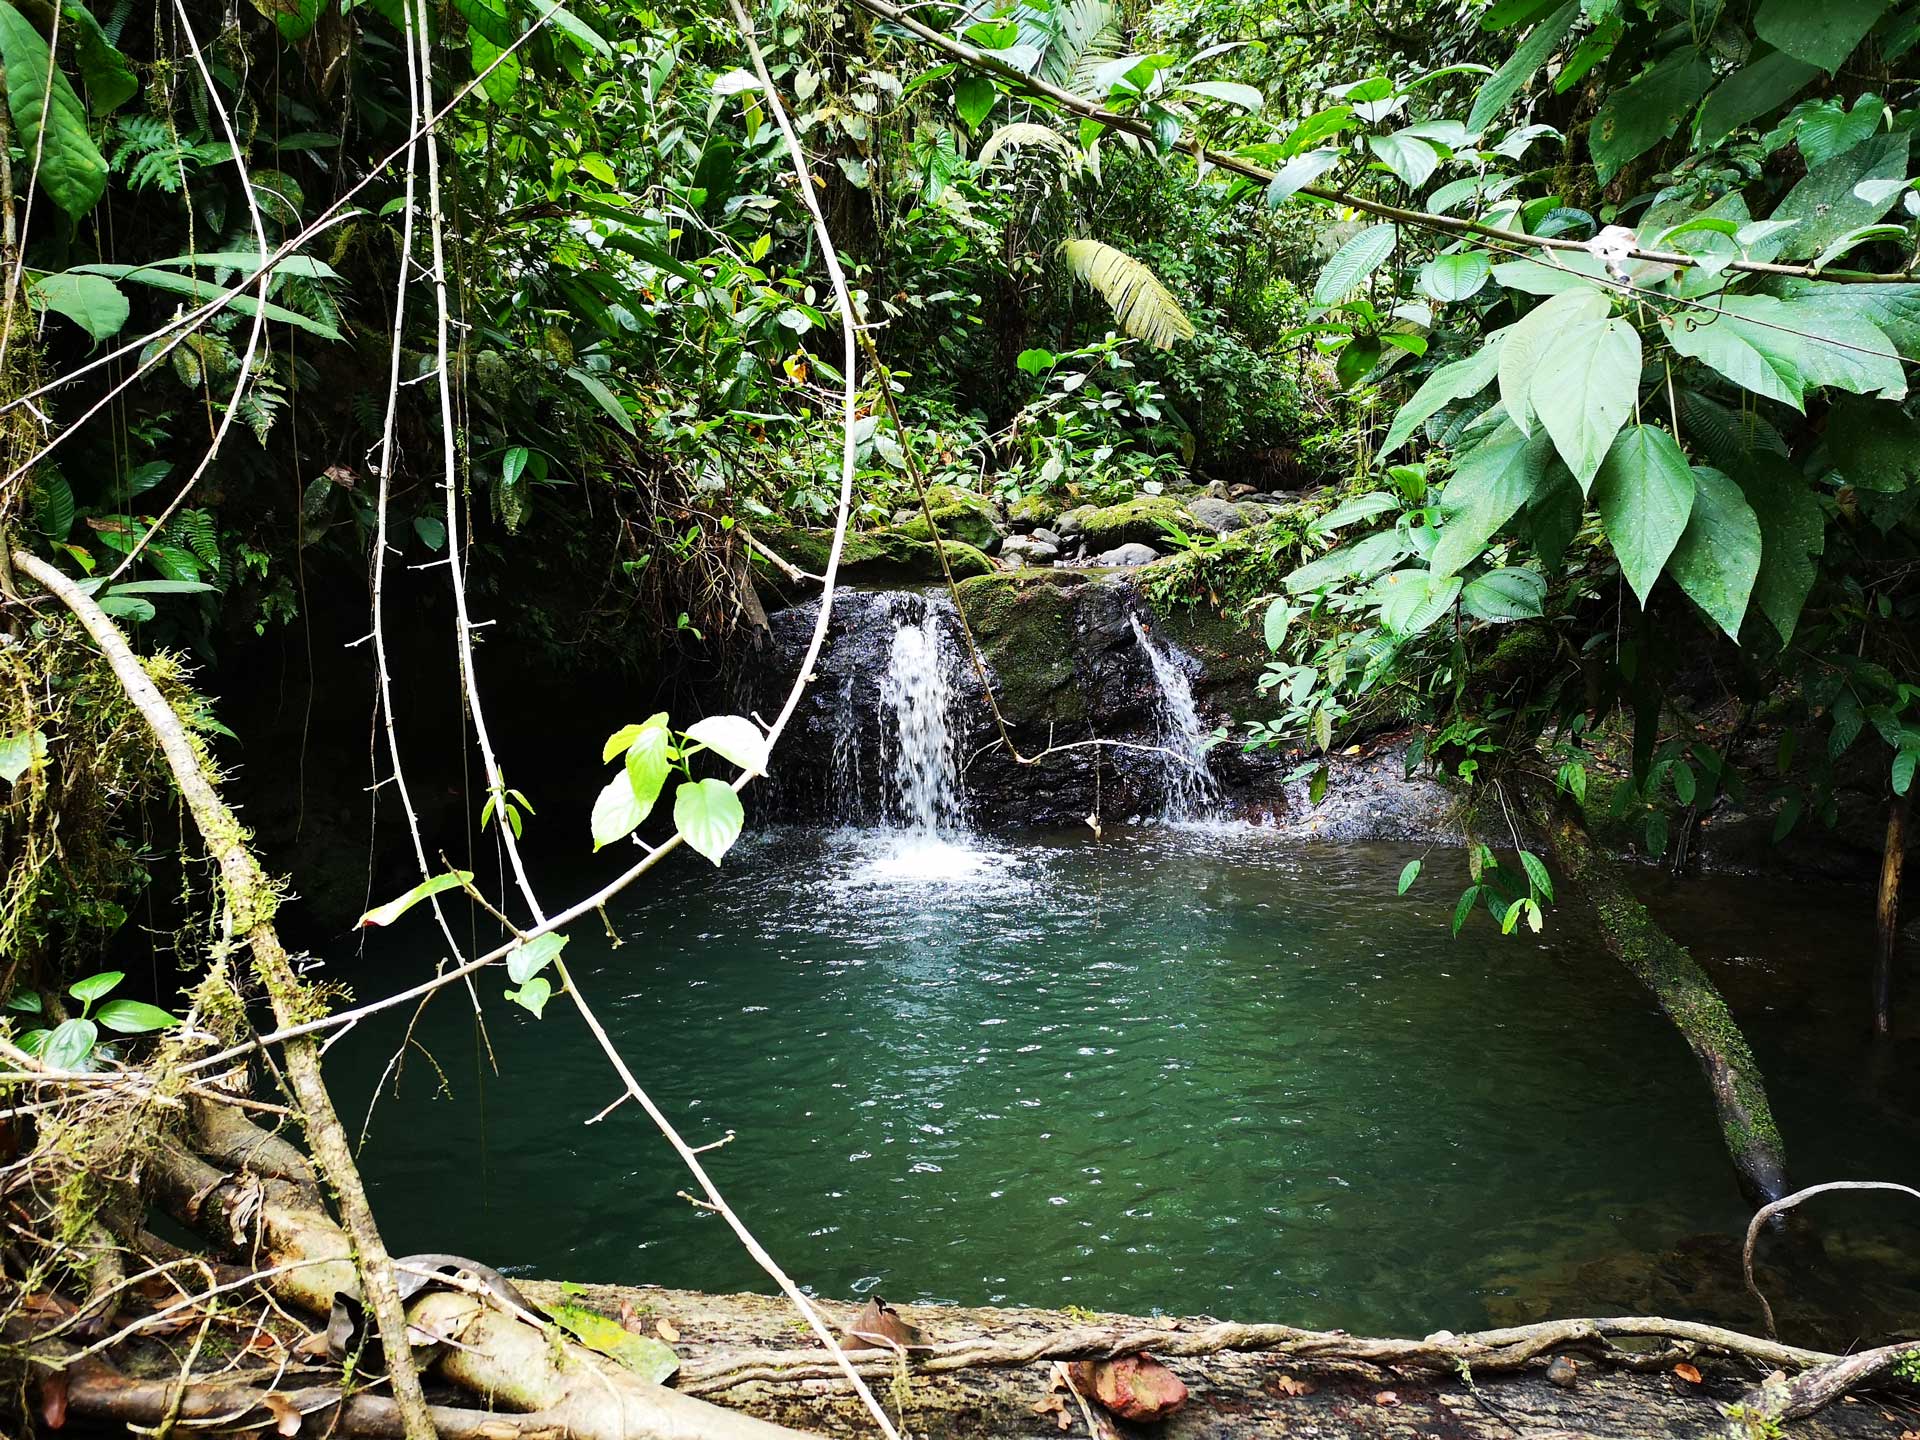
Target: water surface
(1188, 1070)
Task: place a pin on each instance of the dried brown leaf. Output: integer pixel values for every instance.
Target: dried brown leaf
(286, 1419)
(53, 1399)
(1056, 1406)
(1287, 1385)
(1687, 1373)
(667, 1331)
(1386, 1397)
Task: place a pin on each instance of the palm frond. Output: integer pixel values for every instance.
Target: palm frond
(1139, 301)
(1073, 38)
(1021, 132)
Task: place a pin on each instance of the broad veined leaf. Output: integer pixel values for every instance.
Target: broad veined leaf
(1575, 270)
(1745, 338)
(1138, 300)
(391, 911)
(92, 302)
(974, 97)
(1875, 445)
(618, 742)
(1509, 594)
(1842, 347)
(1585, 389)
(1644, 492)
(1718, 556)
(1639, 116)
(1299, 172)
(1022, 133)
(95, 987)
(1453, 381)
(1274, 625)
(1825, 202)
(1895, 308)
(1527, 58)
(69, 167)
(1409, 873)
(645, 1356)
(109, 79)
(1414, 599)
(1762, 86)
(1490, 483)
(1822, 33)
(533, 995)
(69, 1045)
(1457, 276)
(21, 752)
(1407, 156)
(200, 291)
(1532, 336)
(134, 1017)
(1360, 561)
(732, 737)
(1227, 92)
(1374, 502)
(708, 815)
(1353, 262)
(602, 396)
(1825, 130)
(528, 960)
(617, 809)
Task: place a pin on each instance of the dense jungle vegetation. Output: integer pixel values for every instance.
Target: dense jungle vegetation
(366, 363)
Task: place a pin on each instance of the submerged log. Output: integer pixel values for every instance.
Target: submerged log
(1686, 994)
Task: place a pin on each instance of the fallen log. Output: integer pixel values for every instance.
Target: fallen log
(986, 1372)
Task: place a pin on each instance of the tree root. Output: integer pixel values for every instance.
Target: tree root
(224, 1135)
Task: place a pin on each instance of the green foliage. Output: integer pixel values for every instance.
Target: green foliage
(74, 1043)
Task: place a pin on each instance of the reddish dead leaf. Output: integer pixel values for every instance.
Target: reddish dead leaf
(53, 1399)
(1687, 1373)
(667, 1331)
(882, 1325)
(1386, 1397)
(315, 1347)
(1287, 1385)
(1134, 1387)
(286, 1419)
(263, 1340)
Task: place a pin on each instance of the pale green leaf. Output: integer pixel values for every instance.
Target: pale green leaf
(391, 911)
(1451, 382)
(92, 302)
(617, 811)
(1138, 300)
(1353, 262)
(528, 960)
(1299, 172)
(1408, 157)
(1532, 336)
(1456, 276)
(1508, 594)
(20, 752)
(735, 738)
(1747, 338)
(93, 987)
(1585, 388)
(708, 815)
(1825, 202)
(134, 1017)
(1490, 483)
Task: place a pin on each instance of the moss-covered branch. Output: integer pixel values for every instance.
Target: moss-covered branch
(1686, 994)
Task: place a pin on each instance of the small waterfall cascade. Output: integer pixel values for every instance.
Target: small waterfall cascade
(924, 745)
(1191, 791)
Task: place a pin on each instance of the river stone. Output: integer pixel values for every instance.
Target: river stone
(1129, 554)
(1030, 512)
(1046, 537)
(1073, 523)
(1142, 520)
(1215, 516)
(1026, 550)
(961, 515)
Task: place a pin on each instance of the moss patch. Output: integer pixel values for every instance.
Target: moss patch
(1034, 511)
(1023, 623)
(1231, 651)
(872, 557)
(961, 515)
(1139, 521)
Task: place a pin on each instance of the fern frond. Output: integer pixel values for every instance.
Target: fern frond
(1023, 133)
(1074, 37)
(1139, 301)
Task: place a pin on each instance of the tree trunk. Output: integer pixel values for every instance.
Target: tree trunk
(1893, 858)
(1687, 996)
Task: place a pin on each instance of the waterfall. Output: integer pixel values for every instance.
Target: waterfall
(1191, 793)
(918, 689)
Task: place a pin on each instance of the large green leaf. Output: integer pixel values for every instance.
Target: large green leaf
(1415, 599)
(1299, 172)
(1718, 556)
(1895, 308)
(1454, 381)
(391, 911)
(1490, 483)
(1762, 86)
(602, 396)
(92, 302)
(708, 814)
(1360, 561)
(1527, 58)
(1875, 445)
(1407, 156)
(1820, 32)
(109, 79)
(1644, 492)
(645, 1356)
(1639, 116)
(1512, 593)
(1530, 339)
(1554, 514)
(1353, 262)
(1455, 276)
(1793, 531)
(201, 291)
(1825, 202)
(1746, 338)
(1827, 130)
(1841, 346)
(71, 169)
(1584, 389)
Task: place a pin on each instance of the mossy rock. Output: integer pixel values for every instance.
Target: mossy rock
(1023, 623)
(961, 515)
(1032, 512)
(1139, 521)
(871, 557)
